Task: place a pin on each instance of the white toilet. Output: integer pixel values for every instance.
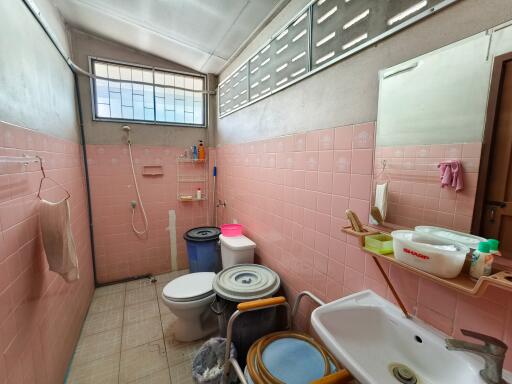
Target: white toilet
(189, 298)
(236, 250)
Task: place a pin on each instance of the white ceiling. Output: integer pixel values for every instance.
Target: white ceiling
(200, 34)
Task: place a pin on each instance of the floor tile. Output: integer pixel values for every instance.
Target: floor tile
(178, 352)
(97, 346)
(140, 295)
(142, 361)
(164, 309)
(103, 321)
(139, 312)
(166, 277)
(168, 320)
(140, 283)
(109, 289)
(182, 373)
(107, 302)
(143, 332)
(160, 377)
(101, 371)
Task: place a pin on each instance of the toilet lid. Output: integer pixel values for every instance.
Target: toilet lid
(190, 287)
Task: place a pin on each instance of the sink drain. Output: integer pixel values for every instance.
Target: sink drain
(403, 374)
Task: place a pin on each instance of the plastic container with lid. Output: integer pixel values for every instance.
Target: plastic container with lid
(202, 249)
(432, 254)
(236, 250)
(242, 283)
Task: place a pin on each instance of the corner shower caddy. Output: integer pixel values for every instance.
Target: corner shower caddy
(191, 174)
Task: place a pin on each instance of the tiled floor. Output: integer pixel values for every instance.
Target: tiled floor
(127, 338)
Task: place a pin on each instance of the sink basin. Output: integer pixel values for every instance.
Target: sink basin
(370, 336)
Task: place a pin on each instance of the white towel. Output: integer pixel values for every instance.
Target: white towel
(58, 243)
(381, 199)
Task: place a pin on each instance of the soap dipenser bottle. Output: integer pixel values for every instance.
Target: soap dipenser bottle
(200, 151)
(481, 261)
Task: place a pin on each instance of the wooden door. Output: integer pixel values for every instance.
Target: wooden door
(497, 214)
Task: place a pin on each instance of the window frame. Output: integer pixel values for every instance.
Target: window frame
(94, 108)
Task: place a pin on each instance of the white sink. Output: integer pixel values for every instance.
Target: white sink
(368, 334)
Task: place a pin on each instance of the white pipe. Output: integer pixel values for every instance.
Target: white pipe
(172, 240)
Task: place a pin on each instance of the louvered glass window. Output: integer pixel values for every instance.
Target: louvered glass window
(323, 33)
(145, 94)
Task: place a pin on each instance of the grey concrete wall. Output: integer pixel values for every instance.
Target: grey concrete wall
(101, 132)
(347, 92)
(37, 88)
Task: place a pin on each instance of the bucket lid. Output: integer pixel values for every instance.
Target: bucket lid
(189, 287)
(237, 243)
(202, 234)
(245, 282)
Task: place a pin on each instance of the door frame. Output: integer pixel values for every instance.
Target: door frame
(490, 123)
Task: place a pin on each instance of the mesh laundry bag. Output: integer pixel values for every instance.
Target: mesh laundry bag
(208, 364)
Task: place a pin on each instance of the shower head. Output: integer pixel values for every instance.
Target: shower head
(128, 130)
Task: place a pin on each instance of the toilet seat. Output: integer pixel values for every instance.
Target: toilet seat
(191, 287)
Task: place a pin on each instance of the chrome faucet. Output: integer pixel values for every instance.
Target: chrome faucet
(493, 352)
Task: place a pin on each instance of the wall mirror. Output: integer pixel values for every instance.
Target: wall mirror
(434, 118)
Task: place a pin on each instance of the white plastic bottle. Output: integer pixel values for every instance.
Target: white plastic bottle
(198, 194)
(479, 259)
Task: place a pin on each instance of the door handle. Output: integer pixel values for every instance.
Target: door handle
(499, 204)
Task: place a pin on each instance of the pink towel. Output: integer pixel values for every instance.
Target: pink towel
(452, 174)
(58, 243)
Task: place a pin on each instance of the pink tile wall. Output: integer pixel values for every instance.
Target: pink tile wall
(291, 194)
(416, 196)
(40, 314)
(119, 252)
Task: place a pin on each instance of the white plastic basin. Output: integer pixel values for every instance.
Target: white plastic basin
(440, 257)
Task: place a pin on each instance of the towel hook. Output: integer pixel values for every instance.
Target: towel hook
(381, 173)
(49, 178)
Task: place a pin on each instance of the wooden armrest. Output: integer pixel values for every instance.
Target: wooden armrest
(255, 304)
(339, 377)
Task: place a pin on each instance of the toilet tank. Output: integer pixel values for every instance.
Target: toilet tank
(236, 250)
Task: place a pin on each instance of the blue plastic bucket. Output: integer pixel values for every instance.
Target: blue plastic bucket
(203, 249)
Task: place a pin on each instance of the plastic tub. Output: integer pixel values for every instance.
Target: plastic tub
(203, 249)
(231, 230)
(380, 243)
(431, 254)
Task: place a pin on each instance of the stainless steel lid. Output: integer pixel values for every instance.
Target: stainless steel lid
(245, 282)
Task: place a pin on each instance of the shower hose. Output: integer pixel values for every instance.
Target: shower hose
(139, 199)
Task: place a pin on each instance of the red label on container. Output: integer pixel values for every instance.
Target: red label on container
(416, 254)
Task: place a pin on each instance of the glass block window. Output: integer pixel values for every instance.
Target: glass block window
(126, 92)
(323, 33)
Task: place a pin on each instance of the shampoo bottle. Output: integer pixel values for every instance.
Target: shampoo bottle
(493, 250)
(195, 152)
(201, 153)
(198, 194)
(478, 261)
